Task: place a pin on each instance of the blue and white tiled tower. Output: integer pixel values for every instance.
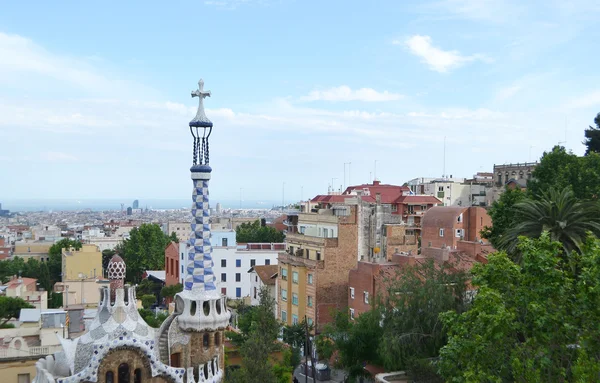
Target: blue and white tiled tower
(201, 314)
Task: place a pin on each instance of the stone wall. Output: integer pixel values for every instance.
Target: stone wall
(134, 360)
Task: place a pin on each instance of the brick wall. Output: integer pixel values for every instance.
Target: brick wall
(172, 264)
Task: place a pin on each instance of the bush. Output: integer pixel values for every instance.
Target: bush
(148, 300)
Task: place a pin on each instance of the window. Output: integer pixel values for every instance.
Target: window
(459, 233)
(352, 292)
(294, 319)
(310, 321)
(394, 207)
(223, 263)
(109, 378)
(295, 277)
(410, 232)
(238, 292)
(366, 297)
(440, 188)
(307, 254)
(309, 301)
(267, 261)
(325, 233)
(238, 277)
(256, 278)
(295, 299)
(224, 290)
(352, 314)
(254, 292)
(283, 316)
(302, 229)
(182, 256)
(25, 378)
(318, 255)
(181, 269)
(459, 218)
(283, 294)
(205, 340)
(291, 250)
(284, 274)
(123, 373)
(310, 279)
(252, 262)
(223, 277)
(137, 375)
(238, 263)
(441, 232)
(224, 242)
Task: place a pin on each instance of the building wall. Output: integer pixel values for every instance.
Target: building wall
(181, 229)
(473, 220)
(134, 359)
(11, 368)
(172, 264)
(81, 291)
(231, 255)
(109, 243)
(87, 261)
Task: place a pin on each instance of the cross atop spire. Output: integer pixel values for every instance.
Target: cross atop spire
(201, 121)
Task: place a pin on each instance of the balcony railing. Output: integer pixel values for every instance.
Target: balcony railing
(31, 351)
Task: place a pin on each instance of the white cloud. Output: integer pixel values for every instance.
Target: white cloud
(345, 93)
(507, 92)
(58, 156)
(585, 101)
(437, 59)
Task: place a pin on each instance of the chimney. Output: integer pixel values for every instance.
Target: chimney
(378, 198)
(376, 182)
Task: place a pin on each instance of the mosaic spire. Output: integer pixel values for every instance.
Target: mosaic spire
(200, 274)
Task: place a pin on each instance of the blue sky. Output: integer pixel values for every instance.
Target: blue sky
(95, 99)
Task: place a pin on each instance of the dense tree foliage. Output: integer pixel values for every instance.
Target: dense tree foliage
(171, 291)
(148, 300)
(106, 257)
(153, 319)
(144, 250)
(530, 322)
(253, 232)
(592, 137)
(503, 215)
(259, 329)
(403, 330)
(10, 308)
(559, 169)
(564, 217)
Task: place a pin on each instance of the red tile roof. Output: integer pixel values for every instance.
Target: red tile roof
(388, 192)
(15, 282)
(266, 272)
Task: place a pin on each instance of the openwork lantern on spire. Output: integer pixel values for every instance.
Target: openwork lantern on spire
(199, 126)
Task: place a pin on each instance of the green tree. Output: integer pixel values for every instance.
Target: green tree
(10, 308)
(529, 322)
(171, 291)
(173, 237)
(356, 341)
(559, 169)
(592, 137)
(564, 217)
(107, 254)
(412, 330)
(253, 232)
(151, 318)
(503, 215)
(148, 300)
(260, 343)
(144, 250)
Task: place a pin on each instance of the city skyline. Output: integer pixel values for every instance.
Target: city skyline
(94, 101)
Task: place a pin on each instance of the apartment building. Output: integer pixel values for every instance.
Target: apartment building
(181, 229)
(313, 270)
(27, 289)
(455, 228)
(263, 277)
(232, 262)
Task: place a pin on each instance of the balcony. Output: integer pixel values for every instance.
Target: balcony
(299, 261)
(302, 239)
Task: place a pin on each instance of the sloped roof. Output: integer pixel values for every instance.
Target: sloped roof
(16, 282)
(156, 274)
(266, 273)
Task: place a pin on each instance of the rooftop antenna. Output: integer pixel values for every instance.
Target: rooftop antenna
(565, 141)
(444, 170)
(375, 172)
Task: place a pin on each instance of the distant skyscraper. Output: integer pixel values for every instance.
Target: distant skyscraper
(136, 204)
(129, 211)
(218, 208)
